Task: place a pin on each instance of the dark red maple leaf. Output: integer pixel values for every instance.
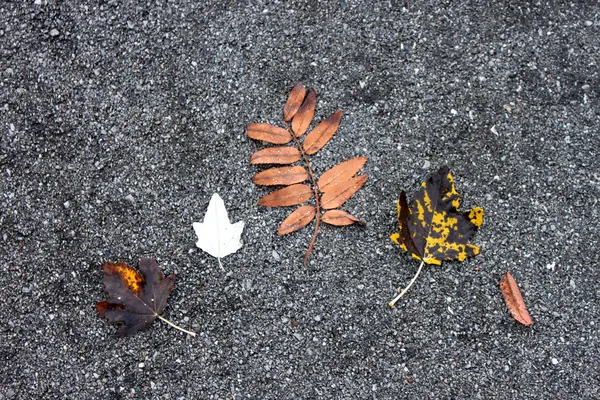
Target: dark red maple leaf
(135, 300)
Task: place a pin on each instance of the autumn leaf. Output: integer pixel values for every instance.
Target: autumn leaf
(340, 173)
(275, 155)
(281, 176)
(297, 220)
(322, 133)
(514, 299)
(294, 101)
(216, 234)
(342, 191)
(288, 196)
(340, 218)
(269, 133)
(331, 191)
(305, 114)
(431, 228)
(136, 300)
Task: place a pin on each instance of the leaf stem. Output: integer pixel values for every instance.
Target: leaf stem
(176, 327)
(393, 302)
(315, 190)
(222, 267)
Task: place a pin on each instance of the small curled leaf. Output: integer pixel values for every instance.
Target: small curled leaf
(514, 300)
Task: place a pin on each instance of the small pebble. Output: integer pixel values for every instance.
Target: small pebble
(276, 256)
(54, 32)
(589, 23)
(426, 164)
(129, 198)
(554, 361)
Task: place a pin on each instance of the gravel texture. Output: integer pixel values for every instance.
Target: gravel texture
(118, 122)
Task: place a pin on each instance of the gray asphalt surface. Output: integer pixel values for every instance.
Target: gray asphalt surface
(119, 121)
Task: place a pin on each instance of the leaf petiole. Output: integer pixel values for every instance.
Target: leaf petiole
(393, 302)
(315, 191)
(176, 327)
(222, 267)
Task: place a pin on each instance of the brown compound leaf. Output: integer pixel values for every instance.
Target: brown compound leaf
(288, 196)
(269, 133)
(280, 176)
(294, 101)
(320, 135)
(340, 218)
(342, 191)
(275, 155)
(341, 172)
(514, 299)
(135, 300)
(338, 184)
(297, 220)
(305, 114)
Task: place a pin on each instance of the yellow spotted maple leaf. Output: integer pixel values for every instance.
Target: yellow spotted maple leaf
(431, 227)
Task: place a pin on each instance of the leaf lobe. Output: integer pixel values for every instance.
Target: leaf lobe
(340, 218)
(342, 191)
(275, 155)
(294, 101)
(269, 133)
(280, 176)
(322, 133)
(288, 196)
(297, 220)
(340, 173)
(305, 114)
